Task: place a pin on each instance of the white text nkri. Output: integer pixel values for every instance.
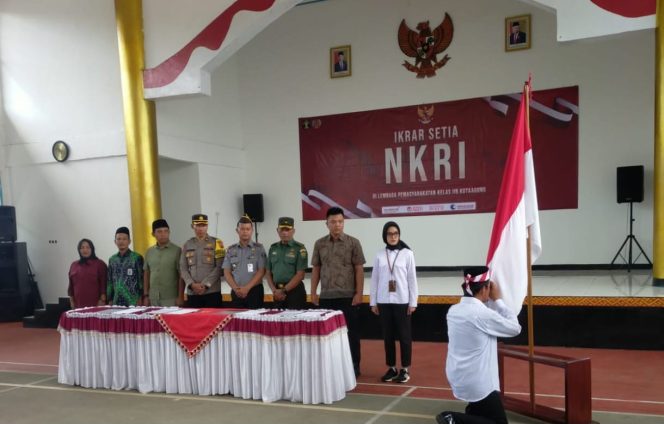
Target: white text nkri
(442, 153)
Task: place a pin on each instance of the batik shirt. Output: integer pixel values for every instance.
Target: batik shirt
(125, 279)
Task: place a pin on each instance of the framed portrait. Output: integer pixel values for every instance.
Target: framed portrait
(518, 33)
(340, 62)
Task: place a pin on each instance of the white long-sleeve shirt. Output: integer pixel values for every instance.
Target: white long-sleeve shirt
(472, 353)
(403, 273)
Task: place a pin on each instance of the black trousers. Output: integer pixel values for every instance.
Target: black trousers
(211, 300)
(295, 299)
(254, 299)
(396, 325)
(352, 316)
(489, 410)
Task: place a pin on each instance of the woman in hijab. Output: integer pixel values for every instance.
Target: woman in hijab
(394, 298)
(87, 278)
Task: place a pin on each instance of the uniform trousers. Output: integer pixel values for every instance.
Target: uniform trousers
(253, 300)
(396, 325)
(489, 410)
(210, 300)
(295, 299)
(352, 316)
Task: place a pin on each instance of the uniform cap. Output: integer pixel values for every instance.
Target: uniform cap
(199, 219)
(285, 222)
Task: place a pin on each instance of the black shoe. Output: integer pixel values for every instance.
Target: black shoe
(444, 418)
(403, 376)
(390, 375)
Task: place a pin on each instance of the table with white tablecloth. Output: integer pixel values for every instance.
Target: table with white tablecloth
(301, 356)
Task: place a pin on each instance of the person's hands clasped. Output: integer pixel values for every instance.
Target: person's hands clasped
(279, 295)
(198, 288)
(494, 291)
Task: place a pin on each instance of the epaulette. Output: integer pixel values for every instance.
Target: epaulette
(219, 250)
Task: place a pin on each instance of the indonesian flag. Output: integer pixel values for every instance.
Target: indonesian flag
(516, 211)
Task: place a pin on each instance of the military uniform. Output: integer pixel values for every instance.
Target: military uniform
(200, 262)
(243, 262)
(284, 261)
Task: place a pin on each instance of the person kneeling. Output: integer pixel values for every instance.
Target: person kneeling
(473, 326)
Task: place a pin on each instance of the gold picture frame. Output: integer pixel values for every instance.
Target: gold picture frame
(340, 62)
(518, 33)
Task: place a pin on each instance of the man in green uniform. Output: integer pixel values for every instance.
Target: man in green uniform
(125, 273)
(200, 266)
(161, 271)
(286, 262)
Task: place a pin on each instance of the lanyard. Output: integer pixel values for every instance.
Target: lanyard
(391, 266)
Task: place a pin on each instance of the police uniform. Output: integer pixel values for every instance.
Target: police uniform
(284, 260)
(243, 262)
(200, 262)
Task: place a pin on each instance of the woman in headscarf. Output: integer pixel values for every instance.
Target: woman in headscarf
(394, 298)
(87, 278)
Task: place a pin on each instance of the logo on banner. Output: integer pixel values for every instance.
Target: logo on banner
(425, 114)
(425, 45)
(311, 123)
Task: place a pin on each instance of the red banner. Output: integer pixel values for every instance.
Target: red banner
(438, 158)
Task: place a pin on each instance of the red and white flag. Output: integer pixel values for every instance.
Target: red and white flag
(516, 211)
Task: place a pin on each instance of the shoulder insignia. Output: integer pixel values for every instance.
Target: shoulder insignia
(219, 250)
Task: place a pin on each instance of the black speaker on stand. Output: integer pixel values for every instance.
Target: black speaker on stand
(253, 208)
(629, 189)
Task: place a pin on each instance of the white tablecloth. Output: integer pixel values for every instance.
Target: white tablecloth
(303, 368)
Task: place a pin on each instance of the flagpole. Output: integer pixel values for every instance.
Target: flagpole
(531, 329)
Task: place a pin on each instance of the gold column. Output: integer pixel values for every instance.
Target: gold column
(658, 174)
(140, 125)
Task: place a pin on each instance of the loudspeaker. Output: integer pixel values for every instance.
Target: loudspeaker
(253, 206)
(7, 223)
(630, 184)
(15, 287)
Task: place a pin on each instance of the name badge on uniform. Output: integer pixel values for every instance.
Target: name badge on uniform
(130, 272)
(250, 267)
(392, 285)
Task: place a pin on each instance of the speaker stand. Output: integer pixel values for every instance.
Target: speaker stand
(631, 238)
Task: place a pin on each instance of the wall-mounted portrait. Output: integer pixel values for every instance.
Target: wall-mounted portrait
(517, 33)
(340, 62)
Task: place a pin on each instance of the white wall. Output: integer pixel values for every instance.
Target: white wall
(65, 203)
(60, 81)
(180, 186)
(208, 131)
(285, 76)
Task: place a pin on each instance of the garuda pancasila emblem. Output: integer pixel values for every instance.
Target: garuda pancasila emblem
(425, 46)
